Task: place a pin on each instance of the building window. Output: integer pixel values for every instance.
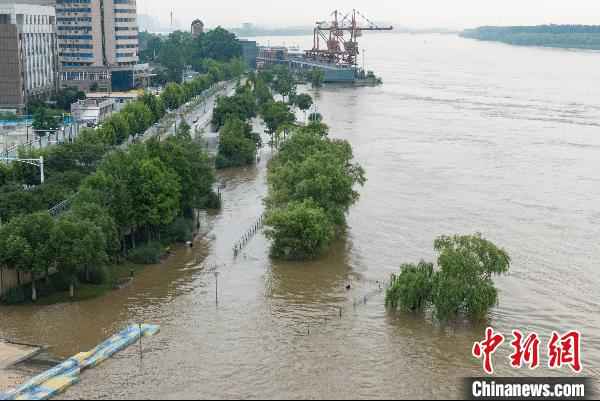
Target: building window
(77, 55)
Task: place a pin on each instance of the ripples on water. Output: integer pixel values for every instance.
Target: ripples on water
(464, 136)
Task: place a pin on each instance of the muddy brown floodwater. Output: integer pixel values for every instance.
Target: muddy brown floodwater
(460, 138)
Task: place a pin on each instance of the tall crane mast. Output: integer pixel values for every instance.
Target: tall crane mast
(340, 38)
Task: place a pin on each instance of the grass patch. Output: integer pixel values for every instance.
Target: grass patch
(83, 291)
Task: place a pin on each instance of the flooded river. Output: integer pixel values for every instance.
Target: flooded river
(463, 136)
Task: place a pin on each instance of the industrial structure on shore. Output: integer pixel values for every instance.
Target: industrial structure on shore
(335, 49)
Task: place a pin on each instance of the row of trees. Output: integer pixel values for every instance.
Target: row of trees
(67, 164)
(237, 142)
(311, 188)
(135, 194)
(120, 197)
(560, 36)
(137, 117)
(180, 49)
(311, 180)
(232, 117)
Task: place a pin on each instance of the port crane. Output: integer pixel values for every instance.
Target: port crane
(340, 38)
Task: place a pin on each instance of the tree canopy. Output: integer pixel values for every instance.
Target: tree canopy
(462, 284)
(237, 144)
(179, 49)
(311, 179)
(559, 36)
(46, 121)
(119, 195)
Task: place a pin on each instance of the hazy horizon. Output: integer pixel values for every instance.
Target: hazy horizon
(457, 14)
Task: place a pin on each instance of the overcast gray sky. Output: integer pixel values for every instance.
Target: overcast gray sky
(411, 13)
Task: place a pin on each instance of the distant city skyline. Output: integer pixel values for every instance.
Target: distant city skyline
(417, 14)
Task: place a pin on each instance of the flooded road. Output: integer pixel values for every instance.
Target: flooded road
(462, 137)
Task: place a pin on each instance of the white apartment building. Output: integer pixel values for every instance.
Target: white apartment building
(97, 39)
(92, 111)
(28, 51)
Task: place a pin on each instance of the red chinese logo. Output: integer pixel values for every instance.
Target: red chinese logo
(527, 351)
(487, 348)
(565, 350)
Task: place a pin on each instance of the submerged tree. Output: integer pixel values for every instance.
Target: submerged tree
(299, 230)
(304, 102)
(462, 285)
(275, 115)
(411, 290)
(237, 144)
(311, 188)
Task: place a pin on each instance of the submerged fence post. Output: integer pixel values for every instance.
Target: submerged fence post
(141, 349)
(216, 288)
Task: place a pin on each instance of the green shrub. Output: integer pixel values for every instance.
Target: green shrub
(180, 230)
(45, 287)
(98, 275)
(300, 230)
(237, 144)
(211, 201)
(60, 281)
(147, 254)
(411, 290)
(463, 284)
(14, 296)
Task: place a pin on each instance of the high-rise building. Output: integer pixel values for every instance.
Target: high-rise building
(28, 55)
(98, 42)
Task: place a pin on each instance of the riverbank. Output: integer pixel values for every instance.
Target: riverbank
(553, 36)
(197, 109)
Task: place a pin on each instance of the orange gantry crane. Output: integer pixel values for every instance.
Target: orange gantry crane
(336, 41)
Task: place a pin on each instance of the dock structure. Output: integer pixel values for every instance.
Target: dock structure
(335, 50)
(332, 73)
(12, 354)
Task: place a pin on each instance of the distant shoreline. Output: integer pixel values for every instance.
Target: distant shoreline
(574, 37)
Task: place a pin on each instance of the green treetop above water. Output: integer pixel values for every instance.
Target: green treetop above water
(462, 284)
